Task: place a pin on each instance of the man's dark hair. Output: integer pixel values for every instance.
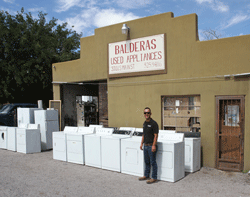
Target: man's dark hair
(148, 108)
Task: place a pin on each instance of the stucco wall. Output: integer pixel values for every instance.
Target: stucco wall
(193, 68)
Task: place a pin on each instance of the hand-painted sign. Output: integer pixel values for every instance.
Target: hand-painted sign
(137, 55)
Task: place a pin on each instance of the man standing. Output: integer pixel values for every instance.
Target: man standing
(149, 138)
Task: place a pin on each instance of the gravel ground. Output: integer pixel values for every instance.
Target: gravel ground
(39, 175)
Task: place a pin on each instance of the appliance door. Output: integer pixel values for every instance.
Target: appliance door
(165, 161)
(111, 154)
(132, 159)
(92, 150)
(11, 138)
(51, 115)
(75, 153)
(3, 139)
(59, 146)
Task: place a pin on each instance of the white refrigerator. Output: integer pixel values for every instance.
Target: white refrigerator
(26, 115)
(48, 121)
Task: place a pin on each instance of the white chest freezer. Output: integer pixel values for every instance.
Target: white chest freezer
(111, 149)
(48, 120)
(170, 157)
(3, 137)
(192, 154)
(12, 134)
(29, 139)
(75, 144)
(60, 143)
(93, 147)
(26, 115)
(132, 158)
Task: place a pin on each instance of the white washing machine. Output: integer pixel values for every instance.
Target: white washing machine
(170, 157)
(192, 154)
(111, 149)
(60, 143)
(29, 139)
(26, 115)
(93, 147)
(167, 131)
(11, 145)
(48, 120)
(132, 129)
(3, 137)
(75, 144)
(96, 126)
(132, 158)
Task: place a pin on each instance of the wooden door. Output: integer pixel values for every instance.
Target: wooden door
(230, 132)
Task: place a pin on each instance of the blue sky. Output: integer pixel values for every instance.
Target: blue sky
(228, 17)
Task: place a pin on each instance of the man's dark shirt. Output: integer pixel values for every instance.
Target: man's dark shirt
(149, 129)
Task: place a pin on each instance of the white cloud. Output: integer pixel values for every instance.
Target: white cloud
(9, 1)
(95, 18)
(111, 16)
(64, 5)
(235, 20)
(133, 3)
(37, 9)
(215, 5)
(11, 12)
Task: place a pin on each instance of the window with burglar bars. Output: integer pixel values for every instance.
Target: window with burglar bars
(181, 113)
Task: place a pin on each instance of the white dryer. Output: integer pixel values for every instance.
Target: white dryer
(192, 154)
(75, 144)
(111, 149)
(3, 137)
(48, 120)
(29, 139)
(170, 157)
(60, 143)
(12, 134)
(132, 159)
(93, 147)
(192, 151)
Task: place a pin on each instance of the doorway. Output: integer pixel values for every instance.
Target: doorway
(230, 113)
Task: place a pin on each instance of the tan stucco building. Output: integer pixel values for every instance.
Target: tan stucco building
(204, 85)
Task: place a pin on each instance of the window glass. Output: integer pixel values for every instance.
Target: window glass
(182, 113)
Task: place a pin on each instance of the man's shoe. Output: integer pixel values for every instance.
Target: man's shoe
(151, 181)
(143, 178)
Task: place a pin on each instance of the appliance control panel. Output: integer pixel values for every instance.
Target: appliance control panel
(104, 131)
(137, 133)
(122, 132)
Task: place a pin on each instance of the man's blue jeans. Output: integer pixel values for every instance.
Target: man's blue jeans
(150, 159)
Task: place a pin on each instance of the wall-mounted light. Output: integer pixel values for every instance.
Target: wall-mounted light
(125, 29)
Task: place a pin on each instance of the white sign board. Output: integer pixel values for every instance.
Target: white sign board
(137, 55)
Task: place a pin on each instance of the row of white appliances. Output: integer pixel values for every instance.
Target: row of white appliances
(25, 139)
(192, 151)
(46, 121)
(170, 156)
(116, 150)
(69, 144)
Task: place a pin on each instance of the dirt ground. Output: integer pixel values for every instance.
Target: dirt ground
(39, 175)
